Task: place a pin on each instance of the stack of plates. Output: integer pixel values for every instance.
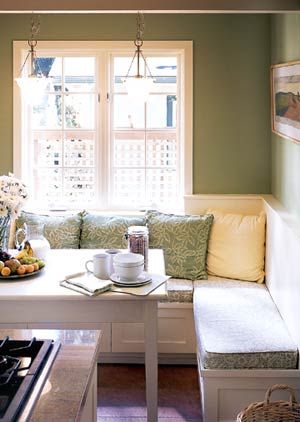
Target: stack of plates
(143, 278)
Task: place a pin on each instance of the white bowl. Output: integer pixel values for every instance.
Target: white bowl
(128, 266)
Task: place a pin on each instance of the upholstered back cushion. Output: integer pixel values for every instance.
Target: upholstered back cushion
(100, 231)
(236, 247)
(62, 232)
(184, 241)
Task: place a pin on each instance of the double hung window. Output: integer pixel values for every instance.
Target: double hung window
(86, 143)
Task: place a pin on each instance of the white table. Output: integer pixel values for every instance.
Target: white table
(40, 300)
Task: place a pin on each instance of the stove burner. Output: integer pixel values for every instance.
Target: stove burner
(21, 364)
(3, 361)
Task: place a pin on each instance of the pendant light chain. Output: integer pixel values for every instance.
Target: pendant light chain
(140, 28)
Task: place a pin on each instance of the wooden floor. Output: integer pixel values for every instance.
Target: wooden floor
(121, 394)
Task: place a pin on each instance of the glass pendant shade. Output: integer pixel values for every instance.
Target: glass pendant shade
(138, 88)
(32, 87)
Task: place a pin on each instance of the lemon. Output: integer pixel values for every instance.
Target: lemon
(1, 265)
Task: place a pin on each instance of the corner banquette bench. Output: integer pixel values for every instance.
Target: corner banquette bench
(247, 334)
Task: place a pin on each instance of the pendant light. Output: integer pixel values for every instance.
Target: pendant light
(33, 85)
(139, 85)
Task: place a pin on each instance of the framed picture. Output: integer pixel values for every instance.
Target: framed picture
(285, 91)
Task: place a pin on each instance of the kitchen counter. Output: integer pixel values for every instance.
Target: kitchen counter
(70, 390)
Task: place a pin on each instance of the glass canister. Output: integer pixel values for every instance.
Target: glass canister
(138, 242)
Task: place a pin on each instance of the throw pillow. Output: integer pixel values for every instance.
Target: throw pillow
(62, 232)
(236, 247)
(184, 241)
(100, 231)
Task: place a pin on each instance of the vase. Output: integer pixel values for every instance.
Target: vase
(4, 232)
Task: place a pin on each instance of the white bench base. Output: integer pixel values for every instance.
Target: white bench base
(224, 393)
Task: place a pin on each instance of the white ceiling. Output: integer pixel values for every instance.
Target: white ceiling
(153, 6)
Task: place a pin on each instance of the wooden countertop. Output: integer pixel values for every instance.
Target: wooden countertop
(64, 393)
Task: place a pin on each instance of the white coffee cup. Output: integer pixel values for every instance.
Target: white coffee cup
(101, 266)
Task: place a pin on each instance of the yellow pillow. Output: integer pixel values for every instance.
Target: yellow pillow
(236, 247)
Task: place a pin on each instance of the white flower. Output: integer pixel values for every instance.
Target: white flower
(13, 194)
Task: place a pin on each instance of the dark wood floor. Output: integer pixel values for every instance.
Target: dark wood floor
(121, 394)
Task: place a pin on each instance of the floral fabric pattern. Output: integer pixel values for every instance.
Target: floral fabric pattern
(179, 290)
(184, 240)
(62, 232)
(99, 231)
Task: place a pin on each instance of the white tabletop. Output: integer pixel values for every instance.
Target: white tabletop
(62, 262)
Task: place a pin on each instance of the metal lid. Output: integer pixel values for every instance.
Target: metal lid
(138, 230)
(128, 259)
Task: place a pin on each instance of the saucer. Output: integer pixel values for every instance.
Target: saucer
(142, 279)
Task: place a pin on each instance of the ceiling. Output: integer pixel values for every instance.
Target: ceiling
(151, 6)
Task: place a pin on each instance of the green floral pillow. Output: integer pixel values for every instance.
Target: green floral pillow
(184, 240)
(100, 231)
(62, 232)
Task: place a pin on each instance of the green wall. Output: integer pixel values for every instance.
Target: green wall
(231, 87)
(285, 153)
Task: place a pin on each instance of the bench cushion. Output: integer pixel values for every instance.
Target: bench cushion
(179, 290)
(238, 326)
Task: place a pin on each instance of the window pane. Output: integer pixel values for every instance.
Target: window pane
(47, 114)
(79, 149)
(161, 186)
(161, 149)
(127, 115)
(164, 71)
(121, 66)
(47, 149)
(51, 67)
(129, 149)
(79, 111)
(48, 185)
(129, 186)
(161, 111)
(79, 185)
(79, 74)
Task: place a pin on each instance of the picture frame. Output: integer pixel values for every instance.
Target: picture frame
(285, 100)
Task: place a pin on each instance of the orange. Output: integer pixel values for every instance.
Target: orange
(36, 266)
(21, 270)
(29, 268)
(5, 272)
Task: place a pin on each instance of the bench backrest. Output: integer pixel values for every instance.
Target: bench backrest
(282, 262)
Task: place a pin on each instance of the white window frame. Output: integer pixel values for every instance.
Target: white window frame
(110, 48)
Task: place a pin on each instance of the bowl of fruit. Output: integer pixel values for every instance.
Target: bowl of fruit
(22, 265)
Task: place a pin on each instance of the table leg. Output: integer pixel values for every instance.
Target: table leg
(150, 324)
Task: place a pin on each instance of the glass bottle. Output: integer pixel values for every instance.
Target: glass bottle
(33, 236)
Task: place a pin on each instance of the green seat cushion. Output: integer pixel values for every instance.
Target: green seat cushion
(184, 240)
(100, 231)
(62, 232)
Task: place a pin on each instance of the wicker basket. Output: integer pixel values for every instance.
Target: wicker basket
(276, 411)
